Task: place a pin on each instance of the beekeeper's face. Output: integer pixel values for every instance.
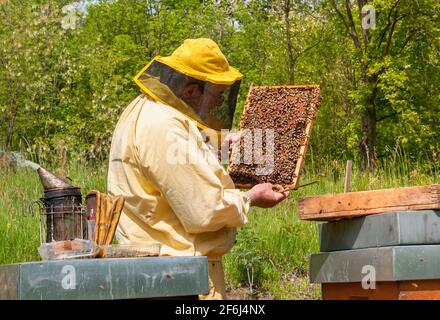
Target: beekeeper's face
(204, 99)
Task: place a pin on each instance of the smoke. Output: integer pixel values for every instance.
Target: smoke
(19, 160)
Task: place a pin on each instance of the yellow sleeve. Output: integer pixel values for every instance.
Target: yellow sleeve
(174, 158)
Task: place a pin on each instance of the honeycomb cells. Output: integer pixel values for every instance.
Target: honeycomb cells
(274, 123)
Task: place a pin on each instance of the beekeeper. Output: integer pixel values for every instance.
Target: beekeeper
(176, 191)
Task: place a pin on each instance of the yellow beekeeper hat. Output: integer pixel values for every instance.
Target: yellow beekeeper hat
(202, 59)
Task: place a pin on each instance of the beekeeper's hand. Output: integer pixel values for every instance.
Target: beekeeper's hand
(263, 195)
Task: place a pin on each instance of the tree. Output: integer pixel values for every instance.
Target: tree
(400, 24)
(31, 73)
(303, 26)
(380, 86)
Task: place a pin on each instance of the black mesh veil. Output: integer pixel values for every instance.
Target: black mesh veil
(211, 105)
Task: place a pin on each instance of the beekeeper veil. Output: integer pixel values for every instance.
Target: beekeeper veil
(196, 80)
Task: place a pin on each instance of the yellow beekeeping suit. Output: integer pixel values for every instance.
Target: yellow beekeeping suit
(176, 192)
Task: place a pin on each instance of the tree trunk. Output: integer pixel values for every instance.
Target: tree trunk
(286, 10)
(10, 130)
(367, 144)
(13, 110)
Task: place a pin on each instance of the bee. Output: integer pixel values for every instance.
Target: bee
(286, 111)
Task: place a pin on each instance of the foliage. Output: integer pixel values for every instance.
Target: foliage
(68, 86)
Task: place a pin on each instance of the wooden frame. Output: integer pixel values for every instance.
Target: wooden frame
(303, 150)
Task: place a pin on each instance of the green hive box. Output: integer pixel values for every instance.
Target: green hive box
(96, 279)
(398, 263)
(381, 230)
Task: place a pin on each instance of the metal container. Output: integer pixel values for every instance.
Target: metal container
(62, 216)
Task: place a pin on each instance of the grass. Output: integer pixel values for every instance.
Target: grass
(19, 232)
(271, 254)
(19, 188)
(269, 259)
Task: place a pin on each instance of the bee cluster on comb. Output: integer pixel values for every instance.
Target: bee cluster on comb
(275, 130)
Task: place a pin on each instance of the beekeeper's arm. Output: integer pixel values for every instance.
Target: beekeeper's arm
(178, 166)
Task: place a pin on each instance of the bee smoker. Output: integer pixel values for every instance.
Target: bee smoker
(62, 216)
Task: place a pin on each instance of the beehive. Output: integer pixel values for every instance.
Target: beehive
(289, 113)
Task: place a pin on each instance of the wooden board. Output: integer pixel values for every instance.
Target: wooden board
(290, 112)
(356, 204)
(399, 290)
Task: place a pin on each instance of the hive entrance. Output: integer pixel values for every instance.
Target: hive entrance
(276, 125)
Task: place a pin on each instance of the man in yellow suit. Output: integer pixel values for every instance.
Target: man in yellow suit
(176, 191)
